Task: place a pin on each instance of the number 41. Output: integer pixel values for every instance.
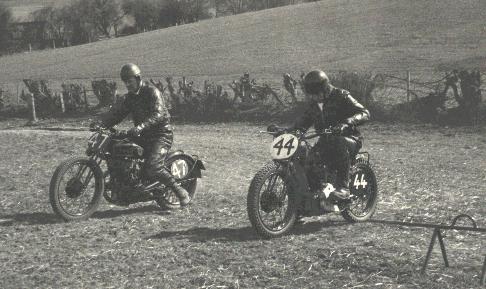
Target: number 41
(358, 182)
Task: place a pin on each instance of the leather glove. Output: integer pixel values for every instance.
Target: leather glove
(341, 128)
(134, 131)
(94, 126)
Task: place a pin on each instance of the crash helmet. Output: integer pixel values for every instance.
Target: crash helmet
(315, 82)
(130, 70)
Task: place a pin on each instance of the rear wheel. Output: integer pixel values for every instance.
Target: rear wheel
(76, 188)
(364, 194)
(179, 167)
(271, 208)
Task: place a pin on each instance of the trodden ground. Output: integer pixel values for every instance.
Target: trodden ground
(425, 174)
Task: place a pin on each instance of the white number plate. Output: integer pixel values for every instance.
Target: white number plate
(360, 181)
(179, 169)
(284, 146)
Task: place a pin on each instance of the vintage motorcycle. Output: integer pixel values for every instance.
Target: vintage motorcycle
(295, 184)
(113, 170)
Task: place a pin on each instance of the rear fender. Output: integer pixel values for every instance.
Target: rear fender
(197, 166)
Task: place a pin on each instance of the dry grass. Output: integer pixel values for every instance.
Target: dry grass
(425, 174)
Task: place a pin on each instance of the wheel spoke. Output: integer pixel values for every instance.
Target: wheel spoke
(76, 191)
(273, 203)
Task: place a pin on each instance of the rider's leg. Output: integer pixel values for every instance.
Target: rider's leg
(154, 169)
(337, 152)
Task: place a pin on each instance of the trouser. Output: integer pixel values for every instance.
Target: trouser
(155, 151)
(336, 152)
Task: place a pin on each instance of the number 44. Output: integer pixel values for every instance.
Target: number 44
(360, 182)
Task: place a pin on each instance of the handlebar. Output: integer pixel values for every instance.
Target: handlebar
(275, 131)
(111, 131)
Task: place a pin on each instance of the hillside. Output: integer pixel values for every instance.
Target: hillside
(378, 35)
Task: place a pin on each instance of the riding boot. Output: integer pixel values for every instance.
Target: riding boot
(182, 194)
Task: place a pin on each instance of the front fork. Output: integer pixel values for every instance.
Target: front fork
(82, 170)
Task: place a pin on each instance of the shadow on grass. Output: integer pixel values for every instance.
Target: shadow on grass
(108, 214)
(44, 218)
(316, 226)
(241, 234)
(36, 218)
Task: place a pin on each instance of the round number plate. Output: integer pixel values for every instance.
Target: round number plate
(179, 169)
(284, 146)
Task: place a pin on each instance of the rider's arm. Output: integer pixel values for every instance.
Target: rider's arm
(157, 113)
(116, 114)
(304, 122)
(360, 113)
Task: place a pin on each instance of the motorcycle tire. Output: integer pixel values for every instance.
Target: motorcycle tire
(75, 189)
(257, 201)
(365, 177)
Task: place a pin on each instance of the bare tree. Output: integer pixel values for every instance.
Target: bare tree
(55, 22)
(176, 12)
(5, 20)
(105, 15)
(144, 12)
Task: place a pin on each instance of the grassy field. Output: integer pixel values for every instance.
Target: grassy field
(362, 35)
(425, 173)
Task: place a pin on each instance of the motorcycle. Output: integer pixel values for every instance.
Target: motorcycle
(296, 184)
(113, 169)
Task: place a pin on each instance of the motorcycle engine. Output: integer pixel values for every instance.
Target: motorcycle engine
(124, 165)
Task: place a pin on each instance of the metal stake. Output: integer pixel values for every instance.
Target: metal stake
(431, 247)
(442, 248)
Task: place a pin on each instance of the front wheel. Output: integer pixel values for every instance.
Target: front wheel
(271, 207)
(182, 168)
(76, 188)
(364, 191)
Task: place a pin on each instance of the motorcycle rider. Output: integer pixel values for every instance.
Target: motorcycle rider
(333, 107)
(152, 130)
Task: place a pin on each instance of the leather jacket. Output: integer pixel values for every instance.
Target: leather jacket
(148, 109)
(339, 107)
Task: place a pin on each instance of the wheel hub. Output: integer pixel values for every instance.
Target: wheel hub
(74, 188)
(269, 202)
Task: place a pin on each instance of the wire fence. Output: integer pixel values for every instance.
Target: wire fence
(388, 89)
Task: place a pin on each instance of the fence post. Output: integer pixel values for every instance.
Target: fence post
(33, 116)
(18, 96)
(408, 85)
(61, 100)
(85, 99)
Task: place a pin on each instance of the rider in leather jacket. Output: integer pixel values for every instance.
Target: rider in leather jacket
(333, 107)
(151, 129)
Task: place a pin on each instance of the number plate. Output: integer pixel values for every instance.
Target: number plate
(284, 146)
(179, 169)
(359, 183)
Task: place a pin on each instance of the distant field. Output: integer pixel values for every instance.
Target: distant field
(363, 35)
(425, 173)
(21, 9)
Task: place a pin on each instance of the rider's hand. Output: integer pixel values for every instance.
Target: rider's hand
(272, 128)
(95, 125)
(298, 132)
(134, 132)
(341, 128)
